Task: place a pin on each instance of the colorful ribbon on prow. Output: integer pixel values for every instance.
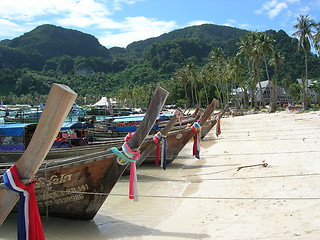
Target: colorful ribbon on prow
(29, 221)
(161, 151)
(218, 128)
(129, 155)
(179, 116)
(196, 128)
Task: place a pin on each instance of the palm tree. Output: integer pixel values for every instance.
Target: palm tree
(204, 79)
(275, 61)
(217, 61)
(304, 35)
(236, 72)
(225, 78)
(265, 43)
(316, 38)
(190, 68)
(246, 47)
(182, 77)
(256, 55)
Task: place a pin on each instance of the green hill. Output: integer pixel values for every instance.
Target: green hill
(48, 41)
(29, 64)
(211, 34)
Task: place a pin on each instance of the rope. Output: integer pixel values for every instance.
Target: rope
(195, 197)
(129, 155)
(157, 139)
(196, 128)
(218, 127)
(179, 116)
(29, 221)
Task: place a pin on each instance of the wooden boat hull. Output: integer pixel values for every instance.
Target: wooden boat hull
(206, 128)
(21, 120)
(77, 187)
(56, 153)
(176, 141)
(61, 185)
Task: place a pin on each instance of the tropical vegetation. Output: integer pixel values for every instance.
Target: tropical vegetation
(194, 64)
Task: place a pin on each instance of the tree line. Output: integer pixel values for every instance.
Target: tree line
(192, 70)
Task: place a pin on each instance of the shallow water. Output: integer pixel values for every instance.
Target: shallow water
(120, 217)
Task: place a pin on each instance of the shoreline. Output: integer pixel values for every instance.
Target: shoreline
(215, 200)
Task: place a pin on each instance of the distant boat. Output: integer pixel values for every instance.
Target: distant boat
(33, 115)
(14, 139)
(122, 125)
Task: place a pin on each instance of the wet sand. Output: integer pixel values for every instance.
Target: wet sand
(210, 198)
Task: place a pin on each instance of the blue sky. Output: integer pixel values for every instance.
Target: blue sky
(121, 22)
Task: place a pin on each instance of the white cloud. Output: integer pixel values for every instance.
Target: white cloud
(134, 29)
(245, 26)
(117, 4)
(304, 10)
(19, 16)
(293, 1)
(275, 11)
(198, 22)
(89, 21)
(26, 10)
(230, 23)
(274, 7)
(10, 29)
(234, 23)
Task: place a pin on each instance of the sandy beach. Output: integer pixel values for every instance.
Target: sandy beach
(211, 198)
(280, 201)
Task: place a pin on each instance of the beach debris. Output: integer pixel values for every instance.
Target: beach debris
(263, 164)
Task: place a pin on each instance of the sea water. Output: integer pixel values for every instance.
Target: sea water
(120, 217)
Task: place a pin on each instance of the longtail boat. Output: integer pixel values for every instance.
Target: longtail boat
(76, 187)
(122, 125)
(58, 105)
(14, 139)
(72, 140)
(209, 124)
(177, 139)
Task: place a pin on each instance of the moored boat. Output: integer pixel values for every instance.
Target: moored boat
(76, 187)
(72, 140)
(178, 138)
(210, 123)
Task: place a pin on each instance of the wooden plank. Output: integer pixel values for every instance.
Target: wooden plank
(58, 105)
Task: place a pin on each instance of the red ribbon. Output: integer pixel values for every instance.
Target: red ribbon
(218, 129)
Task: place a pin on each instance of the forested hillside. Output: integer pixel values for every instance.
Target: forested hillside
(29, 64)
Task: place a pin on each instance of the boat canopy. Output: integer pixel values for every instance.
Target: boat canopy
(12, 130)
(138, 117)
(74, 125)
(18, 129)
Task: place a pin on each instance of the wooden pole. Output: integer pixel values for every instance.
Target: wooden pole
(58, 105)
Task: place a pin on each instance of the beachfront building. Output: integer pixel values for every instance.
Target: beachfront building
(283, 96)
(312, 95)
